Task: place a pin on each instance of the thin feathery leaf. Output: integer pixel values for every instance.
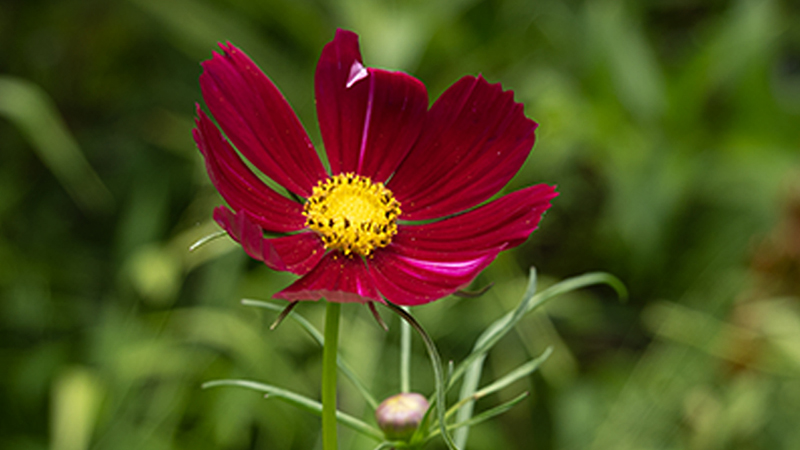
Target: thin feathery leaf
(520, 372)
(498, 329)
(530, 302)
(347, 371)
(486, 415)
(436, 362)
(301, 402)
(472, 366)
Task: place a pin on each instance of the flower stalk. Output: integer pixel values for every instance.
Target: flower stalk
(329, 352)
(405, 357)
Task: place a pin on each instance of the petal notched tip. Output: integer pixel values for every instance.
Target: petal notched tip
(475, 139)
(369, 118)
(242, 189)
(503, 223)
(258, 120)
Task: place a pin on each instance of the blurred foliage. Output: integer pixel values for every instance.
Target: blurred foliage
(671, 127)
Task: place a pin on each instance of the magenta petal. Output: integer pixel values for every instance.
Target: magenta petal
(505, 222)
(474, 140)
(337, 278)
(297, 253)
(369, 118)
(257, 119)
(239, 186)
(396, 108)
(427, 276)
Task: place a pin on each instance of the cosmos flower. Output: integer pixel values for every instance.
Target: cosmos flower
(400, 215)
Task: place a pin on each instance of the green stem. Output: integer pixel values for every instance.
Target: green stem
(329, 353)
(405, 356)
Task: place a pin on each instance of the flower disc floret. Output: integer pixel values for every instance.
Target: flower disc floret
(352, 214)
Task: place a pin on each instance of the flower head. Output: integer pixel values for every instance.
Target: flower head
(398, 216)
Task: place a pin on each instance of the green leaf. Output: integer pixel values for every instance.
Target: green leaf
(486, 415)
(301, 402)
(520, 372)
(347, 371)
(438, 372)
(497, 330)
(531, 301)
(472, 365)
(466, 402)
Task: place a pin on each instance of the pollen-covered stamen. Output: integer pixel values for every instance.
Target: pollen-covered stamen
(352, 214)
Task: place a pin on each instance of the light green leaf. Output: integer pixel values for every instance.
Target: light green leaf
(472, 365)
(520, 372)
(486, 415)
(530, 302)
(347, 371)
(301, 402)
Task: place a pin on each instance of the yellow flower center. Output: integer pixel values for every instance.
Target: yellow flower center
(352, 214)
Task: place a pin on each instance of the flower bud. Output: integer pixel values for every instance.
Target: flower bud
(399, 416)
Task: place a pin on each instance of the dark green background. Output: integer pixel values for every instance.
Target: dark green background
(672, 129)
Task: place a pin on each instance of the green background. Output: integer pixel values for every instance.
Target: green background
(671, 128)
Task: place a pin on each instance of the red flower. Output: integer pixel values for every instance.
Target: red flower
(397, 217)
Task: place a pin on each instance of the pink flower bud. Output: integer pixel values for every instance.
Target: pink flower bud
(399, 416)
